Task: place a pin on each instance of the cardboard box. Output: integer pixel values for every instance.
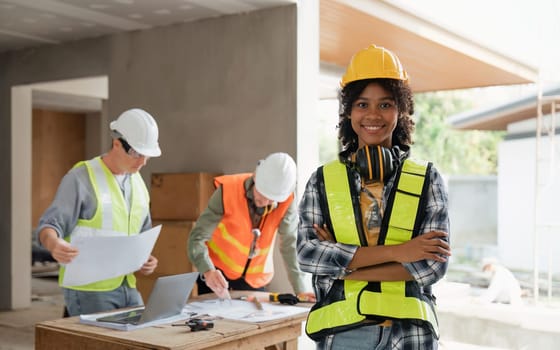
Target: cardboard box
(180, 196)
(171, 251)
(171, 247)
(145, 284)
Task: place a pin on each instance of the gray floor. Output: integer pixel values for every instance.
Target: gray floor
(17, 327)
(17, 330)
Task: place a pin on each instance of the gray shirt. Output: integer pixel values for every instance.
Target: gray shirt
(75, 199)
(211, 217)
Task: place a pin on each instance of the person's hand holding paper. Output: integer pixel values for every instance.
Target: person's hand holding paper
(103, 257)
(149, 266)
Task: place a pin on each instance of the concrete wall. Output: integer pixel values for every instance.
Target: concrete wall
(473, 213)
(520, 215)
(74, 60)
(222, 90)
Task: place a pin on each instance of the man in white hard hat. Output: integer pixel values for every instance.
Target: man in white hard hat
(232, 241)
(75, 211)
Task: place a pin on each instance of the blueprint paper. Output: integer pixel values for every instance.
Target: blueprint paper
(91, 319)
(238, 310)
(103, 257)
(246, 311)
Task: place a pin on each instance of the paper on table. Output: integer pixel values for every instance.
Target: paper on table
(242, 310)
(103, 257)
(92, 320)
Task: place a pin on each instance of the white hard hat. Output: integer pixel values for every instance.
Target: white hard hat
(140, 130)
(275, 176)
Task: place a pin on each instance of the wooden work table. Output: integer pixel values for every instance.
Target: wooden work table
(69, 333)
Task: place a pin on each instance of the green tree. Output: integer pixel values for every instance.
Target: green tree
(454, 152)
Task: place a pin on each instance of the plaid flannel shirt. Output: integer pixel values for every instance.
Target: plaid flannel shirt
(328, 261)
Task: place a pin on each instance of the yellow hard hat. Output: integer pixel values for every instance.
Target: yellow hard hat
(373, 62)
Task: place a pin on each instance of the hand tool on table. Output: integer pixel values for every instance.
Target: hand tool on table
(254, 300)
(283, 298)
(198, 322)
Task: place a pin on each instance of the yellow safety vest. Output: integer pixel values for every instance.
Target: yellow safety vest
(350, 302)
(112, 216)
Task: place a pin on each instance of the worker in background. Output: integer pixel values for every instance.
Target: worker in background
(503, 288)
(113, 180)
(374, 223)
(232, 241)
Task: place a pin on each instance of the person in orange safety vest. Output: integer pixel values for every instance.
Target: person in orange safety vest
(232, 241)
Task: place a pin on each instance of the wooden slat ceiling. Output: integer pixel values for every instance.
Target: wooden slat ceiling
(435, 58)
(500, 120)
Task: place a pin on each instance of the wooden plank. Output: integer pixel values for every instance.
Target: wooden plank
(260, 339)
(171, 251)
(47, 338)
(156, 337)
(58, 143)
(291, 344)
(180, 196)
(69, 333)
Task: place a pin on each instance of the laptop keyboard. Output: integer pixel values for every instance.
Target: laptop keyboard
(132, 319)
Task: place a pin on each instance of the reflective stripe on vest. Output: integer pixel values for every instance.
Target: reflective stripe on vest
(231, 240)
(360, 299)
(392, 300)
(112, 216)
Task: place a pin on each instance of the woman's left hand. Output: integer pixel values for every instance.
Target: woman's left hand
(307, 297)
(323, 233)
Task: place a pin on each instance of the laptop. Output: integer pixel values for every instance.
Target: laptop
(168, 297)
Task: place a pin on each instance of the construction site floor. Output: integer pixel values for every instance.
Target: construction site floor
(464, 326)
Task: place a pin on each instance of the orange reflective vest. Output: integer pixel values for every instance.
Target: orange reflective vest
(231, 241)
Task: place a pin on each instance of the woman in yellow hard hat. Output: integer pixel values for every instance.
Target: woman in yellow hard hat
(374, 223)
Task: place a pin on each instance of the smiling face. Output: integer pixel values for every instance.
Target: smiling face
(374, 116)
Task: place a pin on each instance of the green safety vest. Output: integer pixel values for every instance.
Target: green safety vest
(112, 216)
(350, 302)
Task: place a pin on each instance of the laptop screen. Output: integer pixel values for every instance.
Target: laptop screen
(168, 297)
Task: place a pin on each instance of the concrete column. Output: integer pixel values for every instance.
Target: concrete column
(20, 250)
(307, 91)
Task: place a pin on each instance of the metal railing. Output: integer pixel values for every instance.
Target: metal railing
(544, 181)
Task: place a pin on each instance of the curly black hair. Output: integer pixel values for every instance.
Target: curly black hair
(400, 90)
